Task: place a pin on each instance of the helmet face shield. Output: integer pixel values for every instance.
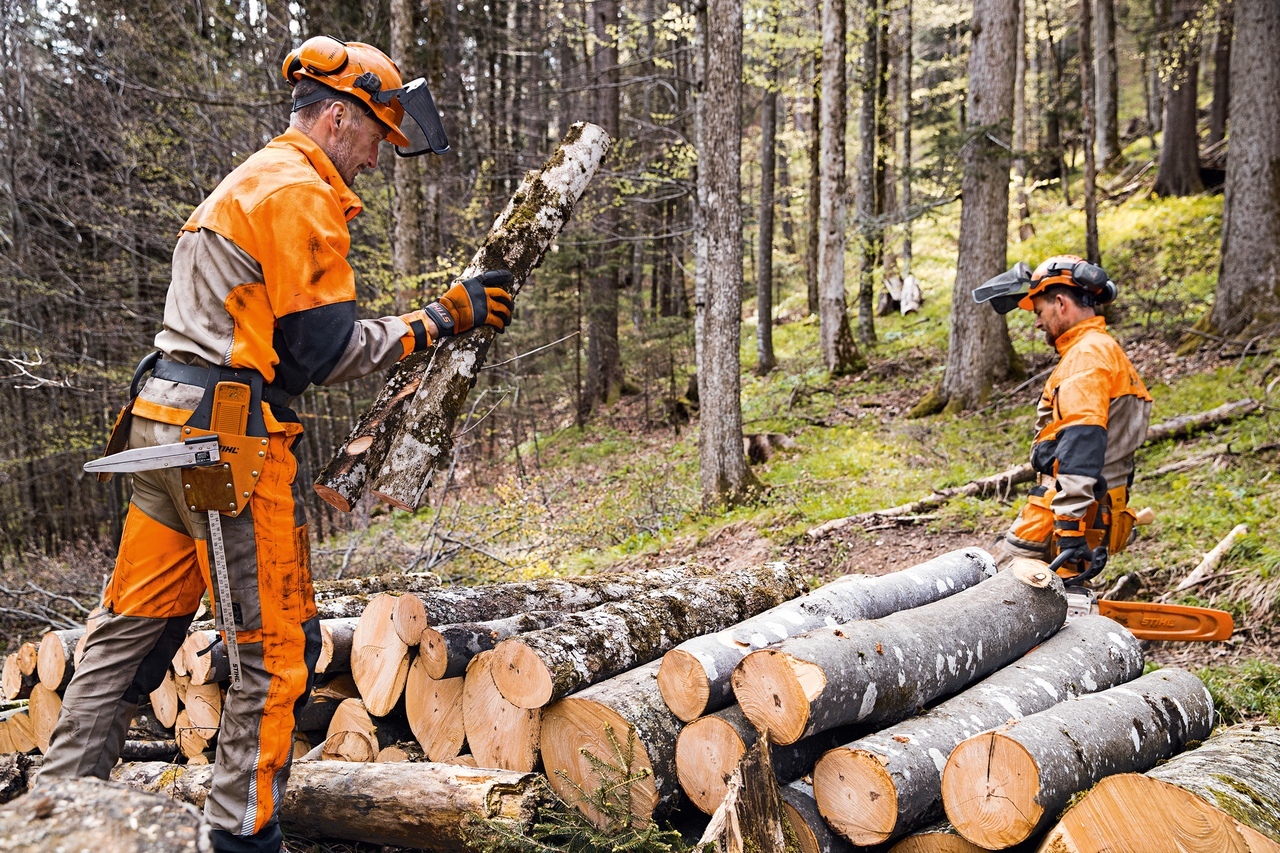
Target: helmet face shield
(1004, 290)
(421, 124)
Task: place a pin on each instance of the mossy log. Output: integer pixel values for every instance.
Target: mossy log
(886, 784)
(694, 678)
(885, 670)
(105, 817)
(1223, 797)
(1002, 787)
(812, 833)
(422, 806)
(445, 651)
(535, 669)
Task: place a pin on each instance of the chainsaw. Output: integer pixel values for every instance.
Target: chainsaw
(1153, 621)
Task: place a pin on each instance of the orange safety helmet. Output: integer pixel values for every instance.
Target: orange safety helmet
(1071, 271)
(353, 68)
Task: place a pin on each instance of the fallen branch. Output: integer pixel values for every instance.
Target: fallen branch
(1210, 562)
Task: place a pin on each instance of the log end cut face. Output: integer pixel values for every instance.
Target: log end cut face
(775, 690)
(521, 676)
(707, 752)
(433, 652)
(684, 684)
(989, 790)
(572, 727)
(806, 839)
(856, 795)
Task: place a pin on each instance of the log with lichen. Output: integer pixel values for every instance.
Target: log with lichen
(408, 431)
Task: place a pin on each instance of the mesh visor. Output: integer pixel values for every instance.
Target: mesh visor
(421, 123)
(1004, 291)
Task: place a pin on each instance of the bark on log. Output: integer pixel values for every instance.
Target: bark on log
(1001, 787)
(709, 748)
(811, 831)
(1222, 797)
(150, 750)
(1003, 483)
(886, 784)
(55, 659)
(422, 806)
(624, 712)
(885, 670)
(15, 684)
(694, 677)
(105, 817)
(446, 651)
(335, 645)
(14, 774)
(417, 582)
(379, 655)
(942, 837)
(751, 817)
(517, 242)
(499, 734)
(434, 709)
(537, 668)
(323, 703)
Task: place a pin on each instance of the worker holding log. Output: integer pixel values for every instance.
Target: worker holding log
(262, 303)
(1092, 416)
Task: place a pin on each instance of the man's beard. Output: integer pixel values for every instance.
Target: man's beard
(344, 161)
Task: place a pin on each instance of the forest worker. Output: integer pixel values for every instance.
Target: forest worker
(1092, 416)
(262, 295)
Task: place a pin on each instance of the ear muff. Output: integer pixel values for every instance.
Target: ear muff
(317, 55)
(1093, 280)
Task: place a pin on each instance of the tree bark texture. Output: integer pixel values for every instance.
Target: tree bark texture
(765, 360)
(979, 351)
(106, 817)
(422, 806)
(885, 670)
(621, 716)
(1178, 173)
(537, 668)
(751, 818)
(695, 676)
(839, 352)
(1248, 289)
(814, 201)
(1088, 111)
(445, 651)
(1107, 87)
(14, 774)
(907, 78)
(1222, 796)
(372, 584)
(1220, 107)
(886, 784)
(1002, 787)
(406, 174)
(418, 432)
(867, 198)
(813, 835)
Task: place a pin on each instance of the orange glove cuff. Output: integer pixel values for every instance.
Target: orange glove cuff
(417, 338)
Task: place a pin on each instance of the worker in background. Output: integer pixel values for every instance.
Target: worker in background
(1092, 416)
(261, 294)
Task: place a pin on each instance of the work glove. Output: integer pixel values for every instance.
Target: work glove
(1075, 550)
(482, 300)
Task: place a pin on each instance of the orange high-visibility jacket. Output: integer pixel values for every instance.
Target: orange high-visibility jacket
(261, 280)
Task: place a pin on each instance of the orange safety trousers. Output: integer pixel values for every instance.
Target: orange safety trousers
(161, 573)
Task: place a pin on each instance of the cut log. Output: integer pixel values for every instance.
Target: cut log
(417, 805)
(445, 651)
(537, 668)
(694, 677)
(709, 748)
(28, 658)
(335, 645)
(1004, 482)
(15, 684)
(6, 742)
(164, 701)
(942, 837)
(811, 831)
(409, 617)
(417, 582)
(751, 817)
(56, 656)
(22, 732)
(323, 703)
(204, 706)
(150, 750)
(620, 716)
(885, 670)
(434, 709)
(521, 235)
(105, 817)
(354, 735)
(1223, 797)
(192, 740)
(888, 783)
(43, 710)
(499, 733)
(14, 774)
(379, 657)
(1002, 787)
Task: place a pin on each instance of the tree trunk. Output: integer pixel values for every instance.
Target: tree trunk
(869, 191)
(374, 584)
(1220, 108)
(886, 784)
(694, 677)
(1248, 291)
(1223, 796)
(401, 440)
(1154, 54)
(886, 670)
(750, 819)
(813, 203)
(499, 733)
(765, 360)
(813, 834)
(1107, 88)
(415, 805)
(907, 79)
(611, 721)
(406, 177)
(446, 651)
(1002, 787)
(979, 351)
(839, 352)
(1087, 108)
(537, 668)
(1179, 171)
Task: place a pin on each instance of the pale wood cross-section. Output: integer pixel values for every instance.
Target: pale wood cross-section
(54, 660)
(499, 733)
(379, 656)
(434, 709)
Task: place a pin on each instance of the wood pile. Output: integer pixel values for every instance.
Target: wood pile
(426, 718)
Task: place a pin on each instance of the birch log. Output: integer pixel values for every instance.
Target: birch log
(694, 677)
(445, 651)
(606, 720)
(1001, 787)
(535, 669)
(409, 428)
(888, 783)
(421, 806)
(1223, 797)
(885, 670)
